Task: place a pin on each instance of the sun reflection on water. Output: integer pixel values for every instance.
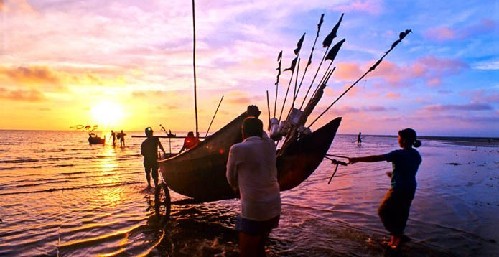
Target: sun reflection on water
(110, 176)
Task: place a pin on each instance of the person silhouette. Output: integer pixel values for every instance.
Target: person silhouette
(122, 139)
(113, 135)
(190, 142)
(149, 149)
(394, 209)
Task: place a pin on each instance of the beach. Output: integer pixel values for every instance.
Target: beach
(60, 196)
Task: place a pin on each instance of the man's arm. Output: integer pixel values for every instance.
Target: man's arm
(231, 170)
(160, 146)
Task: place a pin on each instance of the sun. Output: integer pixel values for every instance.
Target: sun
(107, 113)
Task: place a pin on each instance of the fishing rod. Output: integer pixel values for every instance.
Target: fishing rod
(326, 43)
(293, 133)
(169, 138)
(279, 57)
(292, 68)
(319, 25)
(332, 56)
(268, 107)
(402, 35)
(213, 118)
(295, 89)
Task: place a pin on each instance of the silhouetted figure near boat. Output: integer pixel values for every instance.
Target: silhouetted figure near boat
(113, 135)
(394, 210)
(359, 138)
(190, 142)
(251, 171)
(149, 149)
(122, 139)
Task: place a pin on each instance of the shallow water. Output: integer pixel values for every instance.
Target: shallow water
(60, 196)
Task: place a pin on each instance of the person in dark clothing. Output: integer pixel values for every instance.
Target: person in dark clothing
(149, 149)
(113, 135)
(122, 139)
(394, 209)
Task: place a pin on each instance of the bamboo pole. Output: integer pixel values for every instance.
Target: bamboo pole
(194, 64)
(213, 118)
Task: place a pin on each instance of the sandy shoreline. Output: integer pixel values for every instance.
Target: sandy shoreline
(469, 141)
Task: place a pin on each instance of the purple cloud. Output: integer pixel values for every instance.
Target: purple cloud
(463, 107)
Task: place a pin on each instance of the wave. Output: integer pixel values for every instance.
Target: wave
(19, 160)
(109, 185)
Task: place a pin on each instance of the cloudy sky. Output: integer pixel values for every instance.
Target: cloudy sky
(127, 64)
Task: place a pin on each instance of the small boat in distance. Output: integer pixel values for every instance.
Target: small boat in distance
(93, 139)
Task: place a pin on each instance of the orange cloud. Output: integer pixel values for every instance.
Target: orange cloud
(21, 95)
(238, 98)
(16, 6)
(348, 71)
(392, 95)
(30, 76)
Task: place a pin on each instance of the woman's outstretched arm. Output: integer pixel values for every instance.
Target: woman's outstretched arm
(370, 158)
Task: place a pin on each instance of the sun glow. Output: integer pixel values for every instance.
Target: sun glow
(107, 113)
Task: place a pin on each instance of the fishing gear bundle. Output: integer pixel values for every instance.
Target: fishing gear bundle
(292, 127)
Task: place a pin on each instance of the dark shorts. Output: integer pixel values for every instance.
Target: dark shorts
(151, 165)
(256, 227)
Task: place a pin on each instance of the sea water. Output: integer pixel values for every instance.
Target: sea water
(60, 196)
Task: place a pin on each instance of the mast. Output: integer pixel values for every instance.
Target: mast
(194, 64)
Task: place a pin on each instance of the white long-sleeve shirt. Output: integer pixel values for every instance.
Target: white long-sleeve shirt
(251, 169)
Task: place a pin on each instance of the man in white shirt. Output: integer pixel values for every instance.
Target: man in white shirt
(251, 170)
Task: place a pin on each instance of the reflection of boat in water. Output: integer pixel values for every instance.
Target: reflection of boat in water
(93, 139)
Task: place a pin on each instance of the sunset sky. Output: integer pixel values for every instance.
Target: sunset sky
(128, 64)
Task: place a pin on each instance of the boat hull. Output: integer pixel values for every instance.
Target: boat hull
(96, 140)
(200, 172)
